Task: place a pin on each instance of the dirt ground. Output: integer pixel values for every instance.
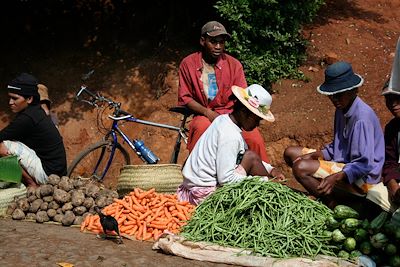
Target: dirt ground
(362, 32)
(32, 244)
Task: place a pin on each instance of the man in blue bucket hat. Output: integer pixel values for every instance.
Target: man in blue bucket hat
(352, 162)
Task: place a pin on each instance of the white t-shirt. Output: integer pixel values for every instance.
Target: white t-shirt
(214, 158)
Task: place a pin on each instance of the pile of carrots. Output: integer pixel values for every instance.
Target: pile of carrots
(144, 214)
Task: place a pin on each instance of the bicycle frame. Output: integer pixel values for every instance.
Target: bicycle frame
(116, 129)
(112, 133)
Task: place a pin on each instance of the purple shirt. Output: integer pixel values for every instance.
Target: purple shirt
(358, 142)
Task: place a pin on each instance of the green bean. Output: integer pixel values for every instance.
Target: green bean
(264, 217)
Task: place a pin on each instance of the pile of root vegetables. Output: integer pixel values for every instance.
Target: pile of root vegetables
(144, 215)
(266, 218)
(63, 200)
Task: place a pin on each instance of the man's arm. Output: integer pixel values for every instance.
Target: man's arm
(362, 146)
(17, 129)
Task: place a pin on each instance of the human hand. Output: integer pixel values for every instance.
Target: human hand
(211, 114)
(396, 196)
(276, 173)
(328, 183)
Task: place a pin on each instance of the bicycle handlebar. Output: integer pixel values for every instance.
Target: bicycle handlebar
(95, 98)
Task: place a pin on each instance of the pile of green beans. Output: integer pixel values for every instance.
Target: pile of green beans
(266, 218)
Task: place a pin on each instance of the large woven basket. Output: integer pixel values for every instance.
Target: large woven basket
(165, 178)
(8, 195)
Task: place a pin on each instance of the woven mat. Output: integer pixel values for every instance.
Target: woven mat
(165, 178)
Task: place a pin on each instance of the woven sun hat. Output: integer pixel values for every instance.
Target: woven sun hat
(165, 178)
(256, 99)
(339, 77)
(10, 171)
(393, 85)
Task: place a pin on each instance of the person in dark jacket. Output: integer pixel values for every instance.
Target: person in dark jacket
(31, 135)
(391, 168)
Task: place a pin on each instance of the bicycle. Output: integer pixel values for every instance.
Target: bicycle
(106, 158)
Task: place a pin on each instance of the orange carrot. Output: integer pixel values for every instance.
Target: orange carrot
(181, 216)
(144, 215)
(147, 193)
(158, 226)
(167, 214)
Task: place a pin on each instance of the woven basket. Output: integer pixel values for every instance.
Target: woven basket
(165, 178)
(10, 171)
(8, 195)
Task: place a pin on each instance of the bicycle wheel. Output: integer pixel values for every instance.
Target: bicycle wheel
(84, 164)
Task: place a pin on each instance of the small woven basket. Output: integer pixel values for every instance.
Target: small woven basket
(165, 178)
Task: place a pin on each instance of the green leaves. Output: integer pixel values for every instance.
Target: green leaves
(266, 36)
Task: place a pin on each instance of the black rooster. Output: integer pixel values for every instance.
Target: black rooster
(109, 224)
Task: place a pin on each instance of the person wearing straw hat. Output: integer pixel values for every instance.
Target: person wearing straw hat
(391, 168)
(31, 135)
(205, 81)
(221, 155)
(353, 160)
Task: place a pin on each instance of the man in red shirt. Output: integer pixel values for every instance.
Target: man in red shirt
(205, 81)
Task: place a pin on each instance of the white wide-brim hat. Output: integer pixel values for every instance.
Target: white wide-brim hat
(256, 99)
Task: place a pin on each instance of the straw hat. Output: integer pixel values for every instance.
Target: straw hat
(256, 99)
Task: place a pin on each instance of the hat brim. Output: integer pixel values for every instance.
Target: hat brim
(335, 88)
(239, 92)
(218, 33)
(390, 91)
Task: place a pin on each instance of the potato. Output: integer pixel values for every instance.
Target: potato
(79, 210)
(18, 214)
(60, 211)
(44, 206)
(41, 216)
(32, 198)
(53, 205)
(11, 208)
(61, 196)
(68, 219)
(78, 220)
(51, 213)
(101, 201)
(92, 190)
(77, 198)
(23, 204)
(54, 179)
(30, 216)
(108, 193)
(88, 203)
(35, 205)
(48, 198)
(78, 183)
(46, 190)
(58, 217)
(65, 184)
(30, 191)
(67, 206)
(37, 192)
